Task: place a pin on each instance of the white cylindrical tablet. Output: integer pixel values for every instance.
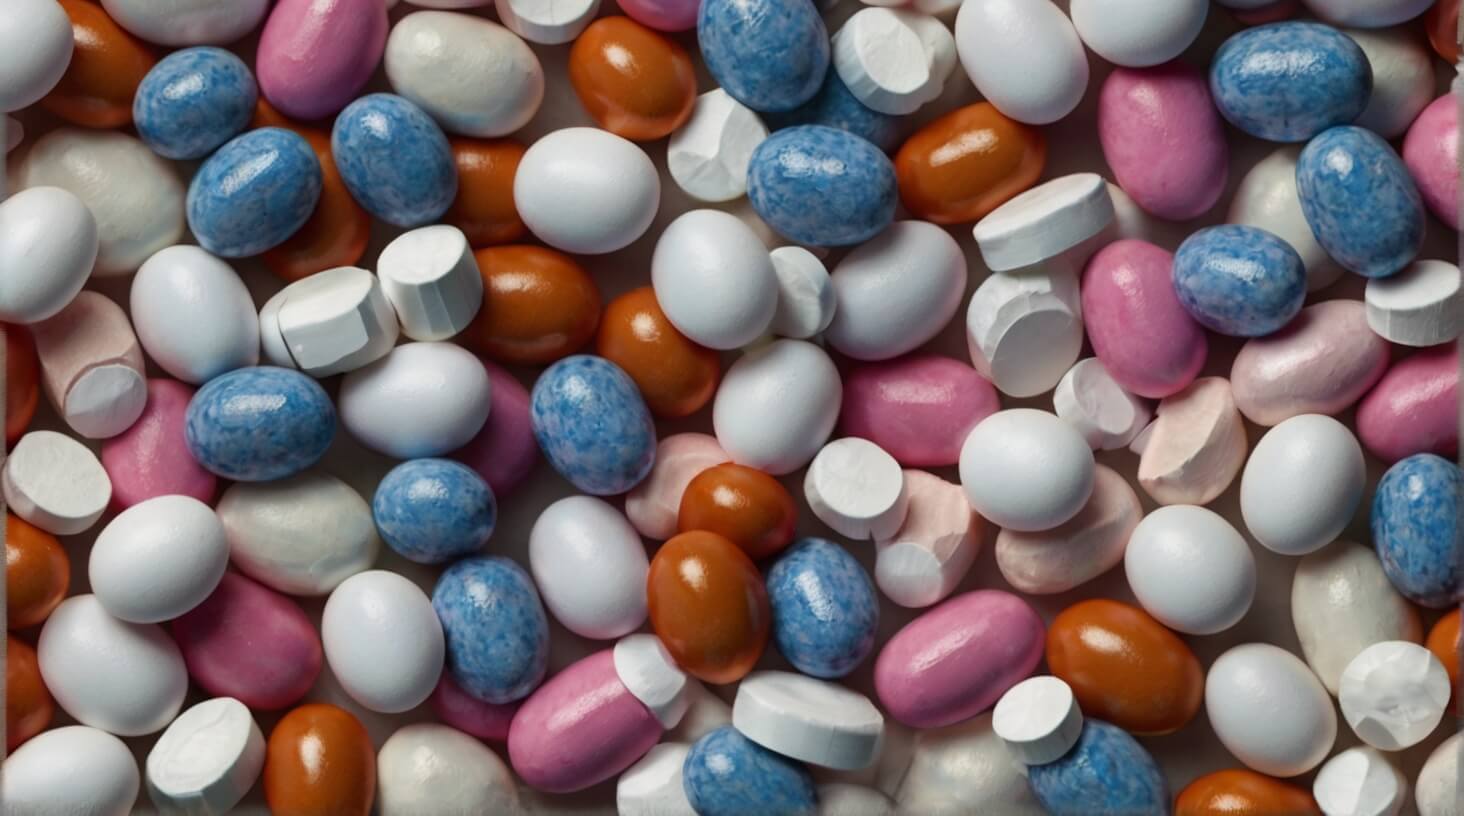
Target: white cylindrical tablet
(1267, 198)
(1025, 331)
(1045, 222)
(1038, 720)
(1190, 569)
(70, 770)
(92, 366)
(1360, 782)
(647, 670)
(1421, 306)
(431, 768)
(652, 786)
(158, 559)
(383, 641)
(207, 760)
(1403, 82)
(329, 323)
(193, 314)
(1268, 709)
(857, 489)
(933, 550)
(1302, 483)
(893, 60)
(1196, 445)
(1394, 694)
(1024, 57)
(806, 299)
(1106, 414)
(808, 719)
(714, 279)
(708, 155)
(777, 406)
(547, 22)
(421, 399)
(48, 245)
(55, 483)
(1026, 469)
(585, 190)
(35, 49)
(590, 567)
(1138, 33)
(1437, 789)
(432, 281)
(896, 291)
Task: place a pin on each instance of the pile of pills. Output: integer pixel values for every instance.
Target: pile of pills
(429, 408)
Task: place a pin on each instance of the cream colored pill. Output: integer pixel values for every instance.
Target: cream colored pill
(193, 314)
(92, 366)
(1054, 222)
(924, 560)
(1077, 551)
(1038, 720)
(857, 489)
(432, 281)
(1403, 84)
(1360, 782)
(55, 483)
(207, 760)
(806, 297)
(893, 60)
(1025, 331)
(965, 768)
(332, 322)
(1302, 484)
(1394, 694)
(808, 719)
(708, 155)
(1106, 414)
(1421, 306)
(547, 22)
(1195, 446)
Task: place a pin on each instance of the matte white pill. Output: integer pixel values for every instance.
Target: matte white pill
(432, 281)
(1437, 788)
(648, 671)
(1077, 551)
(92, 366)
(965, 768)
(1138, 33)
(1268, 709)
(1421, 306)
(1038, 720)
(193, 314)
(652, 786)
(421, 399)
(924, 560)
(1195, 446)
(1302, 484)
(1190, 569)
(585, 190)
(1394, 694)
(1360, 782)
(590, 567)
(853, 800)
(893, 60)
(329, 323)
(896, 291)
(188, 22)
(70, 771)
(806, 299)
(1060, 216)
(35, 50)
(55, 483)
(1106, 414)
(158, 559)
(857, 489)
(1024, 57)
(547, 22)
(808, 719)
(1024, 331)
(1403, 83)
(383, 641)
(432, 768)
(708, 155)
(714, 279)
(1267, 198)
(777, 405)
(48, 244)
(1025, 469)
(207, 760)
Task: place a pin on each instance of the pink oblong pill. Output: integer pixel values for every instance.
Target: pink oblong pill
(956, 660)
(316, 55)
(504, 451)
(919, 408)
(1414, 408)
(652, 505)
(663, 15)
(466, 713)
(1431, 150)
(1163, 139)
(151, 458)
(1143, 336)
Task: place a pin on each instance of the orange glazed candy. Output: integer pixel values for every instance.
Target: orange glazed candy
(28, 706)
(1443, 641)
(1239, 792)
(744, 505)
(967, 163)
(37, 573)
(1442, 22)
(676, 376)
(484, 208)
(107, 65)
(319, 760)
(633, 81)
(538, 305)
(22, 381)
(708, 606)
(1125, 667)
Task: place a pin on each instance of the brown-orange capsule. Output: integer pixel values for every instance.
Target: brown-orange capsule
(1239, 792)
(676, 376)
(28, 705)
(1442, 22)
(708, 606)
(634, 82)
(22, 381)
(967, 163)
(742, 504)
(484, 208)
(107, 65)
(1444, 642)
(37, 573)
(538, 305)
(319, 760)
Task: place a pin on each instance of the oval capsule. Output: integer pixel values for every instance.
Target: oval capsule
(193, 314)
(1237, 280)
(1340, 170)
(484, 208)
(676, 376)
(1414, 407)
(797, 172)
(193, 101)
(383, 641)
(896, 291)
(158, 559)
(768, 55)
(73, 769)
(271, 165)
(107, 65)
(777, 405)
(825, 611)
(966, 163)
(421, 399)
(188, 22)
(590, 566)
(1107, 770)
(259, 424)
(1428, 151)
(1242, 792)
(744, 505)
(621, 445)
(28, 705)
(319, 759)
(37, 573)
(708, 606)
(313, 58)
(1078, 550)
(1302, 483)
(714, 279)
(394, 159)
(1288, 82)
(48, 246)
(1024, 57)
(633, 81)
(431, 768)
(1442, 22)
(919, 408)
(539, 305)
(482, 595)
(1415, 523)
(1269, 710)
(432, 511)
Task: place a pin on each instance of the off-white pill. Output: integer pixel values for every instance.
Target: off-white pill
(590, 567)
(1054, 223)
(421, 399)
(896, 291)
(924, 560)
(1025, 331)
(547, 22)
(158, 559)
(193, 314)
(1268, 709)
(777, 406)
(432, 768)
(652, 786)
(1038, 720)
(893, 60)
(1437, 788)
(1403, 82)
(806, 298)
(48, 245)
(708, 156)
(1077, 551)
(188, 22)
(1421, 306)
(432, 281)
(1106, 414)
(965, 768)
(383, 641)
(1195, 446)
(207, 760)
(1394, 694)
(55, 483)
(1024, 57)
(1138, 33)
(329, 323)
(585, 190)
(649, 673)
(1026, 469)
(808, 719)
(92, 366)
(714, 279)
(1360, 782)
(1302, 483)
(857, 489)
(1267, 198)
(69, 771)
(1190, 569)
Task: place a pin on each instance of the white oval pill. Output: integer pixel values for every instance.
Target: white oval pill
(1195, 446)
(1190, 569)
(1024, 57)
(1138, 33)
(1268, 709)
(35, 50)
(586, 191)
(431, 768)
(334, 321)
(708, 155)
(893, 60)
(55, 483)
(1267, 197)
(48, 244)
(193, 314)
(806, 299)
(1360, 782)
(432, 281)
(1025, 331)
(1053, 224)
(158, 559)
(590, 567)
(777, 405)
(92, 366)
(651, 675)
(652, 786)
(1026, 469)
(808, 719)
(383, 641)
(421, 399)
(1077, 551)
(547, 22)
(1038, 720)
(1302, 483)
(1437, 789)
(1106, 414)
(1394, 694)
(1402, 70)
(1367, 13)
(1421, 306)
(714, 279)
(188, 22)
(923, 561)
(70, 770)
(207, 760)
(896, 291)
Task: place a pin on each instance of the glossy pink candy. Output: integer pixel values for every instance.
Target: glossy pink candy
(663, 15)
(315, 56)
(151, 458)
(919, 408)
(466, 713)
(1431, 150)
(1414, 408)
(504, 451)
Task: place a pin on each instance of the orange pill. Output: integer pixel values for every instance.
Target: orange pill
(319, 760)
(28, 705)
(107, 65)
(37, 573)
(22, 381)
(967, 163)
(1125, 667)
(1442, 22)
(634, 82)
(538, 305)
(742, 504)
(1443, 641)
(1240, 792)
(708, 606)
(676, 376)
(484, 208)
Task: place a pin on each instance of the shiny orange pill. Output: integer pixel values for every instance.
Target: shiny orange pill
(1442, 22)
(1125, 667)
(107, 65)
(1239, 792)
(538, 305)
(708, 606)
(22, 381)
(484, 208)
(37, 573)
(28, 705)
(633, 81)
(1444, 642)
(676, 376)
(967, 163)
(319, 760)
(742, 504)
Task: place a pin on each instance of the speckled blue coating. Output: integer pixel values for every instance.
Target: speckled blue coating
(192, 101)
(497, 634)
(253, 193)
(835, 106)
(1417, 528)
(822, 186)
(434, 510)
(593, 425)
(825, 612)
(1360, 201)
(1287, 82)
(770, 55)
(259, 424)
(727, 774)
(1107, 772)
(394, 159)
(1239, 280)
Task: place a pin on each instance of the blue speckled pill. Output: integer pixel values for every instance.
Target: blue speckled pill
(835, 106)
(259, 424)
(822, 186)
(394, 159)
(1418, 528)
(192, 101)
(1360, 201)
(254, 193)
(727, 774)
(1107, 772)
(1239, 280)
(770, 55)
(825, 612)
(1287, 82)
(593, 425)
(434, 510)
(496, 631)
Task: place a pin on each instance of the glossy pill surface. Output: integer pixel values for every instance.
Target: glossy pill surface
(193, 314)
(37, 573)
(1023, 56)
(1428, 150)
(28, 705)
(383, 641)
(319, 762)
(158, 559)
(188, 22)
(965, 164)
(1340, 170)
(1240, 281)
(1413, 408)
(633, 81)
(825, 611)
(538, 305)
(315, 57)
(434, 510)
(1416, 528)
(835, 106)
(715, 771)
(107, 65)
(744, 505)
(770, 55)
(496, 630)
(1107, 771)
(608, 455)
(919, 408)
(708, 606)
(1241, 792)
(37, 43)
(1287, 82)
(675, 375)
(484, 208)
(421, 399)
(394, 159)
(431, 768)
(193, 101)
(259, 424)
(590, 566)
(797, 167)
(253, 193)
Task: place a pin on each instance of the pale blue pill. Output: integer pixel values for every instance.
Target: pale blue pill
(395, 160)
(1417, 528)
(259, 424)
(1287, 82)
(593, 425)
(1239, 280)
(193, 101)
(825, 611)
(434, 510)
(496, 631)
(1106, 772)
(770, 55)
(821, 186)
(727, 774)
(254, 193)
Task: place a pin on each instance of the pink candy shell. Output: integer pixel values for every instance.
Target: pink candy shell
(504, 452)
(918, 408)
(663, 15)
(151, 458)
(652, 506)
(466, 713)
(1431, 150)
(315, 56)
(1414, 408)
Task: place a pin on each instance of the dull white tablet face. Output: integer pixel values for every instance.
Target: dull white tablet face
(1044, 222)
(207, 760)
(806, 297)
(857, 488)
(55, 483)
(932, 551)
(432, 281)
(1025, 331)
(893, 60)
(812, 720)
(708, 156)
(1038, 719)
(1421, 306)
(1393, 694)
(334, 321)
(1107, 415)
(1360, 782)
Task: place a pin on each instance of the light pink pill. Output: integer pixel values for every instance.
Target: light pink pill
(151, 458)
(918, 408)
(1431, 151)
(504, 451)
(935, 546)
(315, 57)
(663, 15)
(1073, 553)
(466, 713)
(1414, 408)
(1194, 447)
(1144, 337)
(654, 503)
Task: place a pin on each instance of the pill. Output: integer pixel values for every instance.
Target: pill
(107, 64)
(964, 768)
(714, 279)
(312, 737)
(314, 59)
(1269, 710)
(709, 152)
(1401, 67)
(1006, 312)
(545, 22)
(623, 434)
(1138, 33)
(1360, 781)
(675, 375)
(158, 559)
(966, 163)
(1024, 57)
(893, 60)
(855, 800)
(395, 160)
(708, 606)
(770, 55)
(1437, 789)
(1190, 569)
(1414, 525)
(37, 574)
(1259, 83)
(192, 101)
(432, 511)
(663, 15)
(537, 305)
(1077, 551)
(1445, 643)
(55, 483)
(896, 291)
(73, 769)
(633, 81)
(259, 424)
(1393, 694)
(1196, 445)
(653, 505)
(649, 673)
(1001, 475)
(1421, 306)
(37, 43)
(1107, 770)
(1334, 171)
(431, 768)
(919, 408)
(1038, 720)
(1089, 399)
(1366, 13)
(808, 719)
(337, 320)
(1051, 225)
(223, 197)
(466, 713)
(483, 208)
(825, 612)
(857, 489)
(834, 105)
(1238, 790)
(922, 562)
(504, 452)
(492, 594)
(1267, 198)
(48, 244)
(1414, 406)
(652, 786)
(586, 191)
(719, 763)
(22, 381)
(432, 281)
(777, 405)
(151, 457)
(421, 399)
(1238, 280)
(1302, 483)
(742, 504)
(1427, 149)
(1442, 23)
(91, 366)
(382, 641)
(28, 705)
(207, 759)
(798, 166)
(590, 566)
(193, 314)
(189, 22)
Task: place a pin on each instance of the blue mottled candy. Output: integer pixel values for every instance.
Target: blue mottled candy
(259, 424)
(434, 510)
(193, 101)
(496, 631)
(254, 193)
(835, 106)
(727, 774)
(394, 159)
(1107, 772)
(592, 425)
(1360, 201)
(1239, 280)
(1287, 82)
(770, 55)
(822, 186)
(1417, 528)
(825, 612)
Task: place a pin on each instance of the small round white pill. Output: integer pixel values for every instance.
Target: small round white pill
(714, 279)
(1045, 222)
(35, 50)
(48, 245)
(1269, 710)
(806, 299)
(893, 60)
(1026, 469)
(421, 399)
(1025, 331)
(896, 291)
(1360, 782)
(1302, 484)
(590, 567)
(55, 483)
(808, 719)
(158, 559)
(924, 560)
(709, 154)
(585, 190)
(857, 489)
(193, 314)
(68, 771)
(432, 281)
(777, 406)
(547, 22)
(1421, 306)
(1394, 694)
(328, 323)
(652, 786)
(207, 760)
(1106, 414)
(382, 641)
(648, 671)
(1138, 33)
(1190, 569)
(1038, 720)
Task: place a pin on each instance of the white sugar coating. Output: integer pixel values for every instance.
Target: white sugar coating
(714, 279)
(1024, 57)
(331, 322)
(55, 483)
(1302, 484)
(1437, 788)
(965, 768)
(207, 760)
(1190, 569)
(432, 281)
(934, 548)
(708, 155)
(1044, 222)
(105, 401)
(806, 298)
(1106, 414)
(1195, 447)
(73, 770)
(1421, 306)
(585, 190)
(1268, 709)
(1360, 782)
(893, 60)
(1403, 81)
(1394, 694)
(1026, 469)
(808, 719)
(547, 22)
(48, 246)
(1138, 33)
(857, 488)
(1267, 198)
(652, 786)
(1024, 331)
(647, 670)
(1038, 719)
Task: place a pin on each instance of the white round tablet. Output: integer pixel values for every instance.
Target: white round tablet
(1025, 331)
(649, 673)
(1024, 57)
(193, 314)
(1360, 782)
(328, 323)
(1025, 469)
(48, 245)
(585, 190)
(1268, 709)
(1038, 719)
(383, 641)
(432, 768)
(714, 279)
(35, 50)
(652, 786)
(808, 719)
(1044, 222)
(590, 567)
(893, 60)
(806, 299)
(158, 559)
(709, 154)
(857, 489)
(1104, 412)
(547, 22)
(1138, 33)
(1190, 569)
(207, 760)
(1421, 306)
(55, 483)
(1267, 198)
(70, 770)
(896, 291)
(432, 281)
(421, 399)
(1394, 694)
(777, 405)
(1302, 484)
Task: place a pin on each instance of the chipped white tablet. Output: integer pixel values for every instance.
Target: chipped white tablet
(708, 155)
(857, 489)
(207, 760)
(1394, 694)
(1105, 413)
(432, 281)
(808, 719)
(1044, 222)
(1025, 331)
(647, 670)
(1360, 782)
(806, 297)
(332, 322)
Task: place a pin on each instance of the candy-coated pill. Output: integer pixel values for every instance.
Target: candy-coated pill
(1437, 789)
(663, 15)
(319, 761)
(1024, 57)
(1267, 197)
(1421, 306)
(193, 101)
(1432, 140)
(28, 705)
(825, 612)
(544, 21)
(675, 375)
(590, 567)
(55, 483)
(770, 55)
(719, 764)
(1077, 551)
(1442, 22)
(1302, 483)
(896, 291)
(708, 606)
(777, 405)
(37, 573)
(68, 770)
(22, 381)
(919, 408)
(924, 560)
(809, 720)
(253, 193)
(1196, 445)
(313, 58)
(193, 314)
(633, 81)
(421, 399)
(1190, 569)
(744, 505)
(966, 163)
(1238, 280)
(37, 43)
(394, 159)
(709, 152)
(1038, 720)
(1394, 694)
(431, 768)
(1006, 312)
(1242, 792)
(1402, 71)
(620, 446)
(91, 366)
(1107, 415)
(1321, 363)
(1360, 780)
(48, 245)
(484, 208)
(820, 186)
(1050, 228)
(333, 321)
(893, 60)
(1138, 33)
(857, 489)
(1288, 82)
(504, 451)
(1348, 165)
(188, 22)
(1268, 709)
(1414, 407)
(432, 280)
(208, 759)
(1366, 13)
(463, 711)
(496, 630)
(653, 505)
(158, 559)
(383, 641)
(586, 191)
(107, 65)
(538, 305)
(432, 511)
(714, 279)
(1415, 527)
(1026, 469)
(652, 786)
(1108, 771)
(964, 768)
(1444, 641)
(835, 106)
(259, 424)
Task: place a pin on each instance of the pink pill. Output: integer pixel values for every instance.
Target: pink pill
(956, 660)
(1431, 151)
(1163, 139)
(1414, 408)
(251, 643)
(151, 458)
(504, 451)
(466, 713)
(314, 56)
(653, 504)
(919, 408)
(1144, 337)
(663, 15)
